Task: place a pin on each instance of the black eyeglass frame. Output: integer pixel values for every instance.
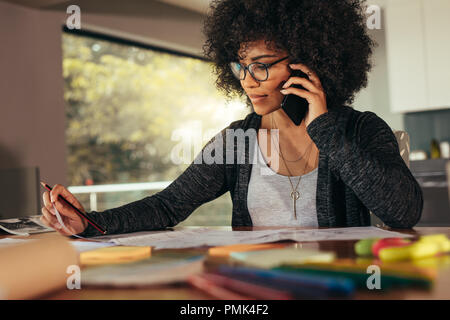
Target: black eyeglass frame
(266, 65)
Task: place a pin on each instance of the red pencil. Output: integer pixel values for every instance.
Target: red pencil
(81, 214)
(198, 281)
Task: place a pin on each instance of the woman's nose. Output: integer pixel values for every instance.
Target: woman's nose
(249, 81)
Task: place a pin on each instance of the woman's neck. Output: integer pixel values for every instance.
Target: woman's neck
(293, 141)
(279, 120)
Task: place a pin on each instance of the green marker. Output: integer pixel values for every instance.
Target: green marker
(364, 247)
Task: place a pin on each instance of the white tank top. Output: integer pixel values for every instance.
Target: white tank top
(269, 199)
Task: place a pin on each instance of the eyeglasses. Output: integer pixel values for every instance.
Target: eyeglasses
(258, 70)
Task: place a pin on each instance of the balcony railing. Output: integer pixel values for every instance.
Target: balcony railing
(122, 187)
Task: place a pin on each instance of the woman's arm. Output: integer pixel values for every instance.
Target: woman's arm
(198, 184)
(364, 152)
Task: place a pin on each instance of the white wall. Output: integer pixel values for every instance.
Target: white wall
(375, 97)
(32, 107)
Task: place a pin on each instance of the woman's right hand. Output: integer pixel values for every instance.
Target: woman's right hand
(74, 223)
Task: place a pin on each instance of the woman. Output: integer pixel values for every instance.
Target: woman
(330, 171)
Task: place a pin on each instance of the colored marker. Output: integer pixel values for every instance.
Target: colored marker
(300, 285)
(427, 246)
(388, 243)
(364, 247)
(248, 289)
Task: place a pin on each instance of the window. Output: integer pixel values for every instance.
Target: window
(128, 106)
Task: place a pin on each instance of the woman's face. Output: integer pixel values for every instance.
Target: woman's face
(265, 96)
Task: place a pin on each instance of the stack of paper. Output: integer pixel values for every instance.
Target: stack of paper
(154, 271)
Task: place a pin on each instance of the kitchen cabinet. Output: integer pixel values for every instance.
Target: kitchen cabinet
(418, 54)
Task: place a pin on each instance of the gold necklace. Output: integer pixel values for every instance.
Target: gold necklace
(296, 160)
(284, 159)
(295, 195)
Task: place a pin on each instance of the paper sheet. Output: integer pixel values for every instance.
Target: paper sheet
(11, 241)
(36, 268)
(197, 237)
(80, 246)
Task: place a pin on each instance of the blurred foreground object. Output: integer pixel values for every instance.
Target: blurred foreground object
(35, 268)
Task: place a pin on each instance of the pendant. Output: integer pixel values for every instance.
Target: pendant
(295, 195)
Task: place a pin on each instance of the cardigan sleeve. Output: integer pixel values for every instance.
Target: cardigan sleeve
(364, 153)
(203, 181)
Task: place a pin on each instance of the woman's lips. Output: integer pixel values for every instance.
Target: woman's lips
(257, 98)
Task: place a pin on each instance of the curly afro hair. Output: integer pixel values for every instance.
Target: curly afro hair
(329, 36)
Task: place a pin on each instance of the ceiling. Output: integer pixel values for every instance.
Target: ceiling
(35, 3)
(199, 6)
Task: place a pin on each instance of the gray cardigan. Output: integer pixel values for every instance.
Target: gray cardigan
(360, 170)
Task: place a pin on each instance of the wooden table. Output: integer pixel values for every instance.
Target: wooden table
(343, 249)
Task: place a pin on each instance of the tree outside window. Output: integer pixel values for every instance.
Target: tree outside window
(124, 106)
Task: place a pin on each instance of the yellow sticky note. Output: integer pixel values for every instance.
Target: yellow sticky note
(112, 255)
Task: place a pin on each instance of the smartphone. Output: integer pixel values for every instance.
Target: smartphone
(294, 106)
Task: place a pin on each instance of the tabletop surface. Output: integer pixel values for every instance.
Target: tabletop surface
(342, 249)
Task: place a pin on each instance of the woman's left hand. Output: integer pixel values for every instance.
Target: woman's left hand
(314, 92)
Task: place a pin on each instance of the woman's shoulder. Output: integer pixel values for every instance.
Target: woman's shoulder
(251, 120)
(343, 114)
(363, 119)
(349, 112)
